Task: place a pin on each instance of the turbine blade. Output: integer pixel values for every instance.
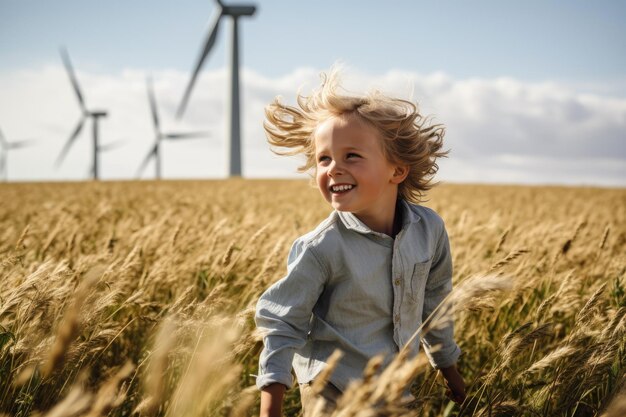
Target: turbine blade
(208, 44)
(186, 135)
(20, 144)
(70, 70)
(70, 141)
(112, 145)
(146, 160)
(153, 105)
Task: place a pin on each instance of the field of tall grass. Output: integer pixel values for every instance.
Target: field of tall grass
(138, 299)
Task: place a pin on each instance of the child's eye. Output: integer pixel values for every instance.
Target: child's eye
(323, 159)
(353, 155)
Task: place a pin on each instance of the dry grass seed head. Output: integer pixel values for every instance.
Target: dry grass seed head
(501, 240)
(20, 241)
(567, 295)
(620, 327)
(154, 381)
(586, 314)
(225, 261)
(503, 409)
(69, 329)
(568, 243)
(562, 353)
(605, 236)
(509, 258)
(320, 381)
(544, 307)
(109, 395)
(244, 402)
(372, 368)
(468, 294)
(516, 334)
(183, 300)
(76, 403)
(211, 371)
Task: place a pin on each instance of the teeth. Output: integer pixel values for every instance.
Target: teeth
(341, 187)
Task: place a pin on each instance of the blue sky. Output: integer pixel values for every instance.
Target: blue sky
(532, 40)
(572, 50)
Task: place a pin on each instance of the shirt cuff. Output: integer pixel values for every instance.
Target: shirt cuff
(277, 377)
(443, 358)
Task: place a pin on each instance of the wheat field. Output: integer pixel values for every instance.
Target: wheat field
(137, 298)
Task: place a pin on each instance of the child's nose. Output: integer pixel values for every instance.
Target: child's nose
(334, 169)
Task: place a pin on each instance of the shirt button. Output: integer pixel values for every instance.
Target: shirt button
(397, 282)
(396, 318)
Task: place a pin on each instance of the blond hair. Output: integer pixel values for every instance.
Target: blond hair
(407, 137)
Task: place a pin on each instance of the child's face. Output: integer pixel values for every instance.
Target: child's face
(352, 172)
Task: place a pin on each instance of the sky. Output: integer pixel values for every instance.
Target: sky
(530, 92)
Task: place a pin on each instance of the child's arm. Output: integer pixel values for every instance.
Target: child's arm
(283, 314)
(272, 400)
(439, 343)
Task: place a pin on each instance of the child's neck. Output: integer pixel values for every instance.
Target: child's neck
(386, 220)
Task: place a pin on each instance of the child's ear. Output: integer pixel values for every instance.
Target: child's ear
(399, 174)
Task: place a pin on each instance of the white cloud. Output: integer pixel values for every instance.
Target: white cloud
(498, 130)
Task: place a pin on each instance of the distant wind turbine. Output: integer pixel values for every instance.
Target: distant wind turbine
(94, 114)
(235, 138)
(155, 150)
(5, 147)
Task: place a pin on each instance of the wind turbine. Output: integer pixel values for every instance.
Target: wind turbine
(154, 151)
(95, 115)
(5, 147)
(234, 11)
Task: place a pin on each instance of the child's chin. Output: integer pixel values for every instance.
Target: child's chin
(340, 206)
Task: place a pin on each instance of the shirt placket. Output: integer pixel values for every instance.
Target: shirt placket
(397, 282)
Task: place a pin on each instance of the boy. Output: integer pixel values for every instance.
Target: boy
(365, 279)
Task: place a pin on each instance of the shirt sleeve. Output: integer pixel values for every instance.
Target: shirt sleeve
(439, 344)
(283, 314)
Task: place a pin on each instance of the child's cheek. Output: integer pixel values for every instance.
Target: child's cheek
(326, 194)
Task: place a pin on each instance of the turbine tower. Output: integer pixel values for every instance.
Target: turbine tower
(154, 151)
(5, 147)
(95, 115)
(235, 12)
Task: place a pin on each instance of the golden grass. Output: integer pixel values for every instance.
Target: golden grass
(137, 299)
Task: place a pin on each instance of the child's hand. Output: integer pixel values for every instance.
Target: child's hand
(455, 383)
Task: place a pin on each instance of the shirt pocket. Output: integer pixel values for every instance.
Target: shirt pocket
(418, 280)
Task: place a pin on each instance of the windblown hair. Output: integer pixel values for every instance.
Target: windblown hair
(407, 137)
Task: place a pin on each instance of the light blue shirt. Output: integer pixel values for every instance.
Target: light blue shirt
(351, 288)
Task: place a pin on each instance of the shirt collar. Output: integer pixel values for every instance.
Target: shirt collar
(351, 222)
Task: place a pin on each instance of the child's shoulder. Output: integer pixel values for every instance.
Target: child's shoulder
(322, 241)
(430, 226)
(324, 233)
(428, 217)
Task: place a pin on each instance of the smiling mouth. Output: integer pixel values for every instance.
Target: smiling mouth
(341, 188)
